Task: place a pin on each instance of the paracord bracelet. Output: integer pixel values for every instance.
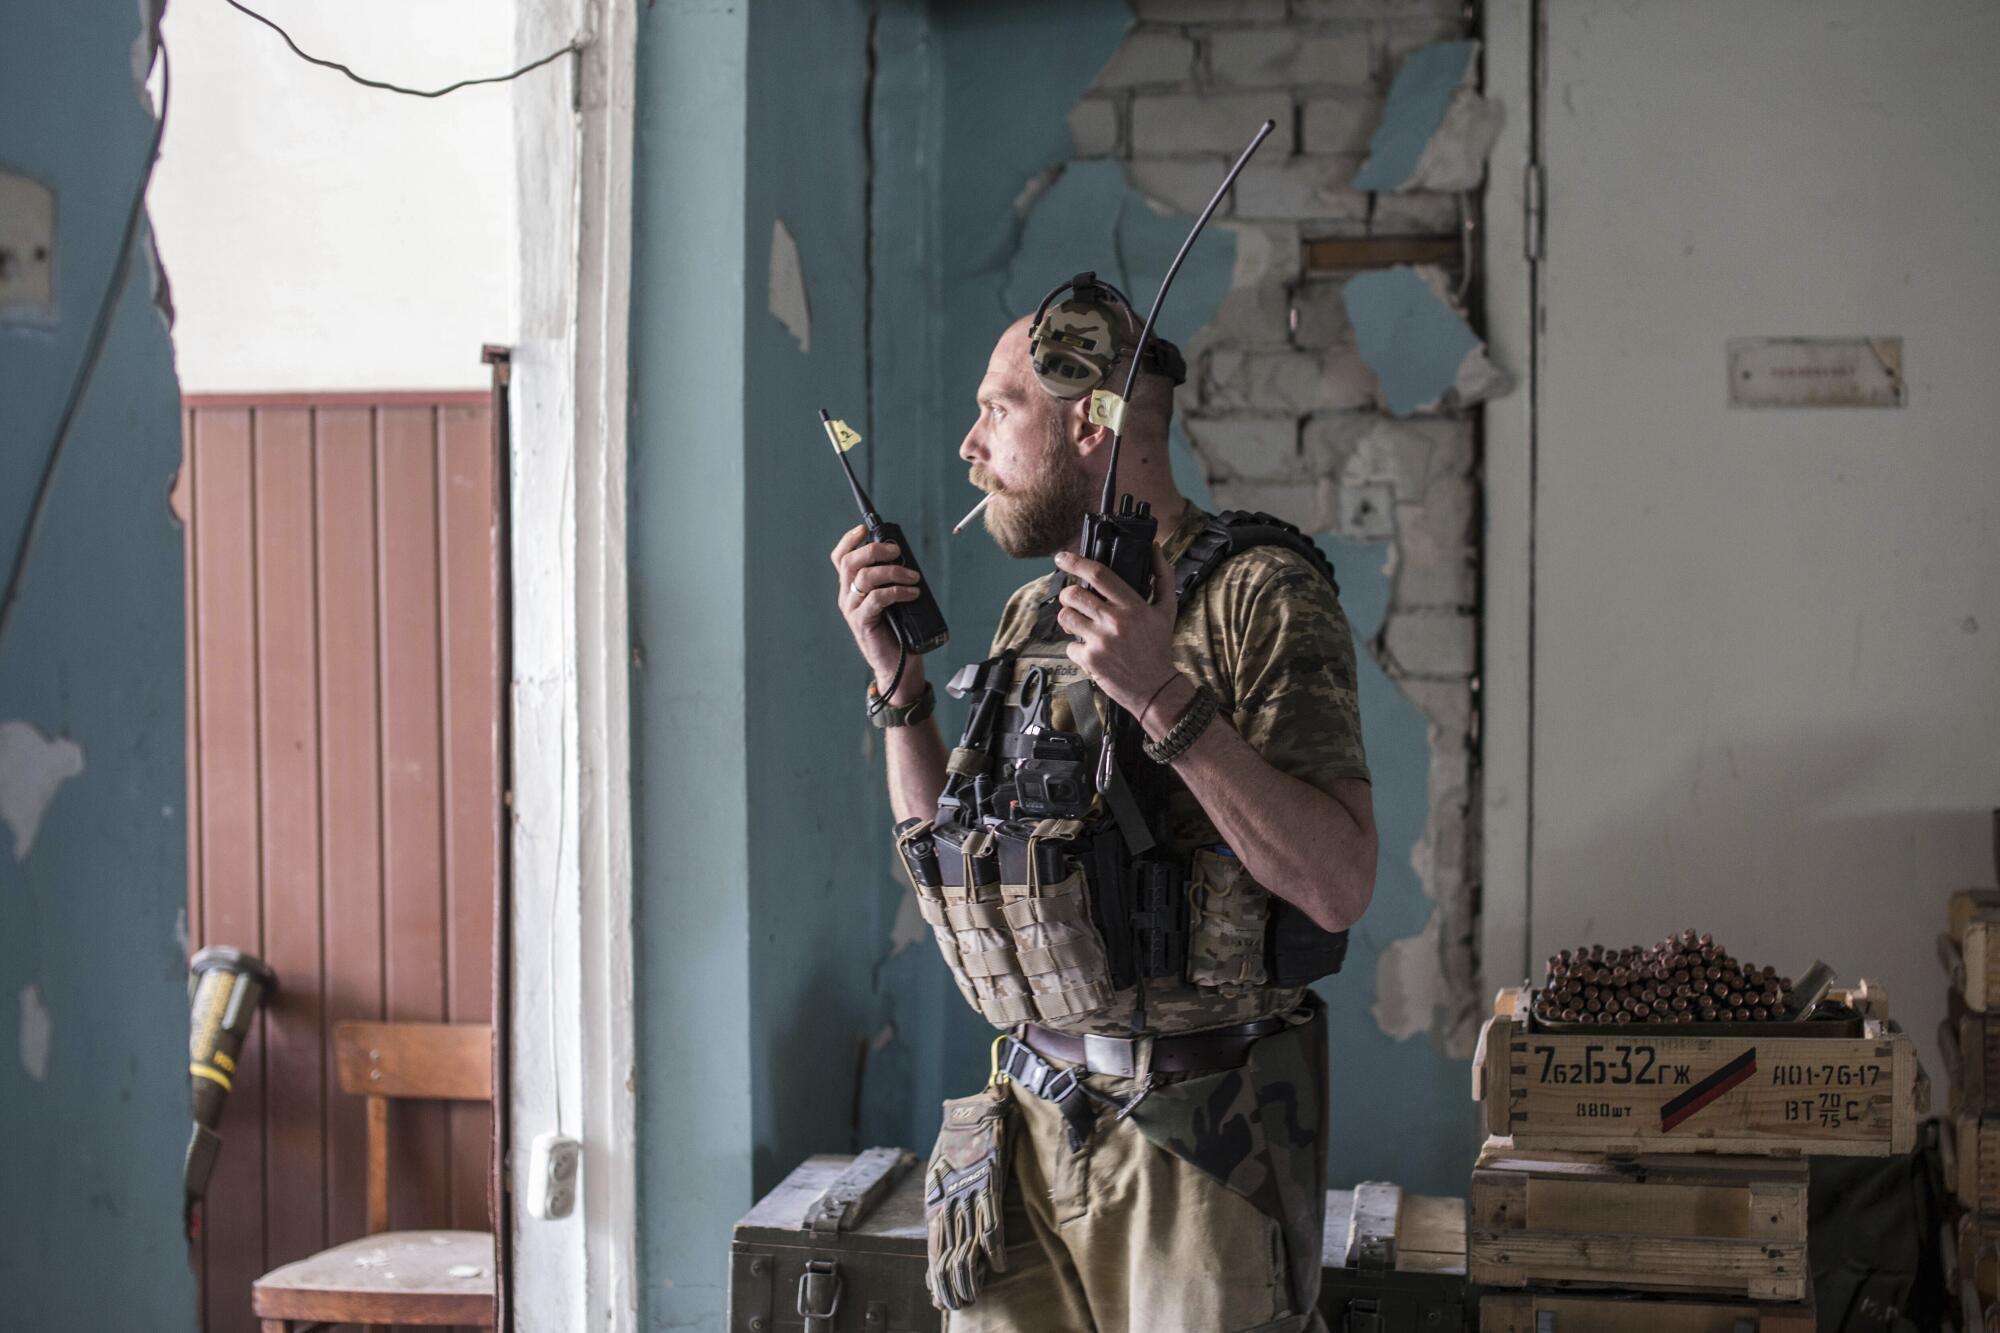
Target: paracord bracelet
(1184, 733)
(909, 714)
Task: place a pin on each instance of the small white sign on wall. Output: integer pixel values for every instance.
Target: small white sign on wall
(1815, 372)
(1805, 373)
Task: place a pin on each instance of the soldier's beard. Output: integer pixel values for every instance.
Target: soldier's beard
(1046, 515)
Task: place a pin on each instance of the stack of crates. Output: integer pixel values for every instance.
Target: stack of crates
(1644, 1180)
(1970, 1041)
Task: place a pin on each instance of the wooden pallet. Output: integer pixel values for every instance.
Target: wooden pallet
(1970, 947)
(1546, 1312)
(1607, 1091)
(1729, 1226)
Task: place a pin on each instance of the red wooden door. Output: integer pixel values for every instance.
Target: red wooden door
(345, 679)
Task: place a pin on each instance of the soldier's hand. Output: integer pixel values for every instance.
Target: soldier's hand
(1124, 643)
(869, 586)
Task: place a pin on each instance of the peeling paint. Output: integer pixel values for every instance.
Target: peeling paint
(1408, 975)
(37, 1032)
(1417, 342)
(1455, 159)
(788, 286)
(32, 768)
(1420, 101)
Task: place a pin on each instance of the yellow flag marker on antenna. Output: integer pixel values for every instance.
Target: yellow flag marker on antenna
(844, 436)
(1107, 409)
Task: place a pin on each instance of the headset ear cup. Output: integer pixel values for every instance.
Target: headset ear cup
(1073, 348)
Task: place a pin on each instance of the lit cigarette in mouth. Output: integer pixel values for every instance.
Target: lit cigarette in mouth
(975, 513)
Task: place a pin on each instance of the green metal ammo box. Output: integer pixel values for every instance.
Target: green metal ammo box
(838, 1247)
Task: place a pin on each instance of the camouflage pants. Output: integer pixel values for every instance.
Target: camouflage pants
(1200, 1213)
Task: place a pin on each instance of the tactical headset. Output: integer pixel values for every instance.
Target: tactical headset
(1074, 345)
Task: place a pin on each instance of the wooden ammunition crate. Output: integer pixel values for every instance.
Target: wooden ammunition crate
(1614, 1091)
(1970, 1044)
(1971, 1145)
(1731, 1226)
(1544, 1312)
(1970, 947)
(1394, 1262)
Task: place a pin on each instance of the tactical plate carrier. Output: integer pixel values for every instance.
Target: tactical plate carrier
(1043, 875)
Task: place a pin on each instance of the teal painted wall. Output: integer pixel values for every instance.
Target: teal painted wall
(689, 607)
(92, 1236)
(787, 1007)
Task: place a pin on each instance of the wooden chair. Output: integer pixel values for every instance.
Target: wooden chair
(394, 1277)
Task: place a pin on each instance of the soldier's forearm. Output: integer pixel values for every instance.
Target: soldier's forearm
(1311, 849)
(916, 768)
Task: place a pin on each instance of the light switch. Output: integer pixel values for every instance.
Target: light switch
(27, 250)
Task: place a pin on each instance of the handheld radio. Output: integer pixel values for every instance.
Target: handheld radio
(918, 625)
(1122, 539)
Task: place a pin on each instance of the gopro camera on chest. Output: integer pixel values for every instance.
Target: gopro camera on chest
(1054, 781)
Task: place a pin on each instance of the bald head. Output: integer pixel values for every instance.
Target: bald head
(1046, 459)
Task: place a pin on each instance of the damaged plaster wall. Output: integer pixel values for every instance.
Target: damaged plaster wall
(92, 764)
(1292, 411)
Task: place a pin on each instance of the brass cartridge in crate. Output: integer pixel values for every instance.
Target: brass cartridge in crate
(1547, 1312)
(1748, 1088)
(1731, 1226)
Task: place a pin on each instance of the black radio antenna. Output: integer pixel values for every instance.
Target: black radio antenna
(1146, 333)
(867, 506)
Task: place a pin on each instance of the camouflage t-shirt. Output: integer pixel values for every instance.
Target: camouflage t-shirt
(1267, 634)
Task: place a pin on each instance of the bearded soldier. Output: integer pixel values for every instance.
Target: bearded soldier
(1152, 835)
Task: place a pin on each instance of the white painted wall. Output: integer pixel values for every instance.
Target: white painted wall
(572, 1062)
(321, 235)
(1766, 654)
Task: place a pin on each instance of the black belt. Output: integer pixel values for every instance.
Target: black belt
(1025, 1060)
(1186, 1053)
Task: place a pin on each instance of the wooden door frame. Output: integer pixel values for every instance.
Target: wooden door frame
(572, 1041)
(1514, 190)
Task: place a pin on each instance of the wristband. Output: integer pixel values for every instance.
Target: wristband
(1146, 707)
(1184, 733)
(908, 715)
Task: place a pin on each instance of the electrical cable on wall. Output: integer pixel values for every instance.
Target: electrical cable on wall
(121, 267)
(93, 348)
(365, 82)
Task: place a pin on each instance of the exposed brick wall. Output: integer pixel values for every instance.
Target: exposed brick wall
(1282, 411)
